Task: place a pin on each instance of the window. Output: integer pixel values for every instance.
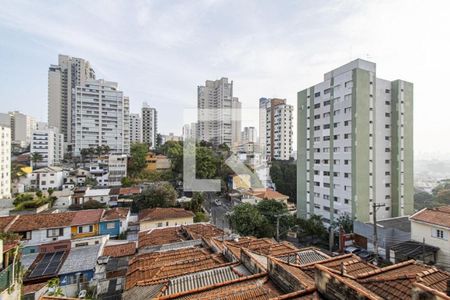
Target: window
(346, 123)
(347, 136)
(326, 184)
(346, 162)
(317, 105)
(326, 138)
(317, 127)
(387, 115)
(110, 225)
(346, 201)
(326, 103)
(81, 244)
(327, 91)
(336, 124)
(336, 112)
(387, 91)
(85, 229)
(317, 94)
(25, 235)
(348, 110)
(160, 224)
(326, 126)
(349, 84)
(327, 114)
(387, 126)
(55, 232)
(316, 117)
(439, 233)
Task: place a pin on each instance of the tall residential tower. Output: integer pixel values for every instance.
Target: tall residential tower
(219, 113)
(63, 78)
(355, 145)
(149, 125)
(102, 117)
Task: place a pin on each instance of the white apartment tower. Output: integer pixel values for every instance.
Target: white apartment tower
(276, 119)
(355, 145)
(63, 78)
(49, 143)
(5, 162)
(248, 135)
(135, 128)
(101, 117)
(149, 125)
(21, 127)
(219, 113)
(189, 131)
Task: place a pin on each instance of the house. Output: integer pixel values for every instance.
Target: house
(86, 223)
(432, 227)
(242, 181)
(100, 195)
(63, 198)
(46, 178)
(253, 196)
(114, 221)
(117, 166)
(37, 229)
(163, 217)
(157, 162)
(9, 270)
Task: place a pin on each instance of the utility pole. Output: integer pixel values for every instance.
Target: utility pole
(375, 206)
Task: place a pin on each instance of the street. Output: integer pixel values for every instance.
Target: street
(217, 213)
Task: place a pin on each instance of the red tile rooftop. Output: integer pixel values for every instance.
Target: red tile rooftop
(156, 214)
(115, 213)
(438, 216)
(120, 250)
(89, 216)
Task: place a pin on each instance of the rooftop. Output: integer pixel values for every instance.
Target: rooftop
(96, 192)
(80, 259)
(157, 214)
(89, 216)
(437, 216)
(38, 221)
(161, 236)
(120, 250)
(115, 213)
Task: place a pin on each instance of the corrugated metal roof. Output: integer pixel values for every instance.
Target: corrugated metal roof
(200, 279)
(142, 292)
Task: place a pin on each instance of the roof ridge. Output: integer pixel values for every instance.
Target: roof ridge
(11, 223)
(388, 268)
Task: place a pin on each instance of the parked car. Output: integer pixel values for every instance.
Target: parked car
(366, 255)
(352, 249)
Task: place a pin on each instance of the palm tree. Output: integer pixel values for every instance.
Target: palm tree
(35, 158)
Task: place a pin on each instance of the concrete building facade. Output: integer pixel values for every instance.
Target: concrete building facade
(63, 78)
(135, 128)
(102, 117)
(21, 125)
(248, 135)
(219, 113)
(276, 121)
(5, 162)
(49, 143)
(149, 125)
(355, 145)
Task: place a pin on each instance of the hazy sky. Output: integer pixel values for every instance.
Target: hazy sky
(159, 51)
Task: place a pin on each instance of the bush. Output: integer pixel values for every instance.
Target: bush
(93, 204)
(201, 217)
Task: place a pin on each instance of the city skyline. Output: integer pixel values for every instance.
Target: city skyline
(147, 62)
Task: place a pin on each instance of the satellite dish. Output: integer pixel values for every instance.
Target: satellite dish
(82, 294)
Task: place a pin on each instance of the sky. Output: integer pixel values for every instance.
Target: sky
(160, 51)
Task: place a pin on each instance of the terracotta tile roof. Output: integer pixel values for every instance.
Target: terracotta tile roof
(303, 279)
(32, 288)
(156, 271)
(156, 214)
(89, 216)
(115, 213)
(406, 268)
(197, 231)
(129, 191)
(10, 245)
(394, 288)
(160, 236)
(56, 298)
(435, 279)
(5, 221)
(264, 246)
(438, 216)
(120, 250)
(38, 221)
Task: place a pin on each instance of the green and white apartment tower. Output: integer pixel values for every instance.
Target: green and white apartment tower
(355, 145)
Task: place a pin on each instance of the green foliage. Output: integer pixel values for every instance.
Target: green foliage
(440, 196)
(284, 175)
(246, 219)
(158, 195)
(312, 229)
(205, 163)
(200, 217)
(54, 288)
(138, 159)
(9, 237)
(20, 198)
(93, 204)
(196, 202)
(345, 221)
(36, 157)
(127, 182)
(270, 209)
(90, 181)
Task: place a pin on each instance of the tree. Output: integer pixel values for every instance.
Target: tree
(205, 163)
(246, 219)
(54, 288)
(138, 159)
(84, 154)
(90, 181)
(345, 222)
(50, 191)
(312, 228)
(200, 217)
(196, 202)
(20, 198)
(271, 210)
(127, 182)
(157, 195)
(158, 140)
(35, 158)
(93, 204)
(284, 175)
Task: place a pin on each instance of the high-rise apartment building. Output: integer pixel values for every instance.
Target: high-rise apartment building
(135, 128)
(189, 131)
(149, 125)
(355, 145)
(5, 162)
(63, 78)
(49, 143)
(101, 115)
(248, 135)
(21, 127)
(219, 113)
(276, 119)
